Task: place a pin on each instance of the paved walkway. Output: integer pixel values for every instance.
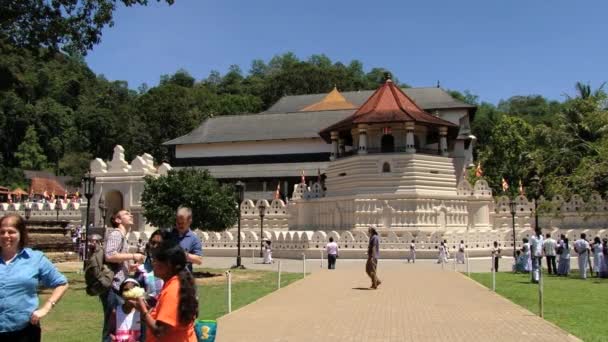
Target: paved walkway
(414, 303)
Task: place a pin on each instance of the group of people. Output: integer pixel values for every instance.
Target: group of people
(558, 254)
(167, 312)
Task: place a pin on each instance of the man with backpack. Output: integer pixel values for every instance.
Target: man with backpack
(117, 259)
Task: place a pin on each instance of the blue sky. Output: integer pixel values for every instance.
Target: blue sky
(495, 49)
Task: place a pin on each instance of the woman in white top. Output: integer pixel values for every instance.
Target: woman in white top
(267, 253)
(598, 255)
(443, 254)
(460, 254)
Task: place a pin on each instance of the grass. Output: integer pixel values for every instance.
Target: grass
(575, 305)
(78, 317)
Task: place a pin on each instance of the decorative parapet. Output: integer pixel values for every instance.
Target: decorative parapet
(68, 211)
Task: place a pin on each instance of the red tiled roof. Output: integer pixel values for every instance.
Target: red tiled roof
(40, 185)
(388, 104)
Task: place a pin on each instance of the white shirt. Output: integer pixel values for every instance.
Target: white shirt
(581, 246)
(332, 248)
(412, 247)
(536, 245)
(549, 247)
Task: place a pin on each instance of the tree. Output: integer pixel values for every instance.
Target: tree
(71, 25)
(213, 205)
(29, 153)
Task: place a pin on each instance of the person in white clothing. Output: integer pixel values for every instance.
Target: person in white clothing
(460, 254)
(443, 257)
(549, 249)
(495, 255)
(536, 249)
(332, 254)
(598, 255)
(581, 247)
(267, 253)
(412, 256)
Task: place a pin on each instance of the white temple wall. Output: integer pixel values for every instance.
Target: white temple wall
(248, 148)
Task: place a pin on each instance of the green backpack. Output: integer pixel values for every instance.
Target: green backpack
(97, 275)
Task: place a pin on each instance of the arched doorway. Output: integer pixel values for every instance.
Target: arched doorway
(387, 144)
(114, 203)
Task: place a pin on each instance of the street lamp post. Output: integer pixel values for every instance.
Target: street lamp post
(57, 208)
(102, 209)
(513, 207)
(88, 184)
(535, 182)
(262, 208)
(240, 194)
(28, 213)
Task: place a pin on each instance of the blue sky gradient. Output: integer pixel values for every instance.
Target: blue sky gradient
(495, 49)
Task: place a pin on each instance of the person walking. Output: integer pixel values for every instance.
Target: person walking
(267, 252)
(412, 256)
(22, 270)
(373, 253)
(460, 254)
(598, 255)
(604, 268)
(177, 307)
(495, 255)
(549, 250)
(581, 247)
(536, 250)
(332, 254)
(443, 253)
(117, 257)
(526, 255)
(563, 250)
(186, 238)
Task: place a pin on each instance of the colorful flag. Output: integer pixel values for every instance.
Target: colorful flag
(303, 178)
(277, 193)
(521, 188)
(478, 170)
(77, 194)
(505, 185)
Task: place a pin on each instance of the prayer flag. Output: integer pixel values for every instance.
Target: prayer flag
(505, 185)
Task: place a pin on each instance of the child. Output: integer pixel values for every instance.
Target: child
(125, 322)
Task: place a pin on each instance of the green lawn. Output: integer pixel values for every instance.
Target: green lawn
(78, 317)
(577, 306)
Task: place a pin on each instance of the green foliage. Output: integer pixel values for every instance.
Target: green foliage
(29, 152)
(71, 25)
(213, 205)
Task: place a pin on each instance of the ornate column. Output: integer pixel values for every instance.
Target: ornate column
(410, 146)
(443, 140)
(334, 146)
(362, 138)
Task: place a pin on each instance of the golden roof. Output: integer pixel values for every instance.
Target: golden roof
(332, 101)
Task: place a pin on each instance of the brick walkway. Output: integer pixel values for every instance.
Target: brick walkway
(414, 303)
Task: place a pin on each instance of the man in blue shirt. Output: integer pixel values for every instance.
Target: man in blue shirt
(186, 238)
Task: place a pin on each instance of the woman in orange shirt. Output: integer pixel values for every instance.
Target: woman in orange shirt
(172, 319)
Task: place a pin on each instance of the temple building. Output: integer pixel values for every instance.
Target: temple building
(301, 134)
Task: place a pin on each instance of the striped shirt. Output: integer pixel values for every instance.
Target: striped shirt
(115, 243)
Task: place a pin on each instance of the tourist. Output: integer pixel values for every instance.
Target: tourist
(549, 250)
(581, 247)
(145, 274)
(22, 270)
(141, 246)
(373, 253)
(443, 253)
(186, 238)
(520, 263)
(332, 254)
(495, 255)
(460, 254)
(117, 258)
(173, 317)
(563, 250)
(412, 256)
(604, 268)
(125, 322)
(536, 250)
(598, 255)
(267, 252)
(525, 255)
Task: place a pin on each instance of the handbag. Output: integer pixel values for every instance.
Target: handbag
(205, 330)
